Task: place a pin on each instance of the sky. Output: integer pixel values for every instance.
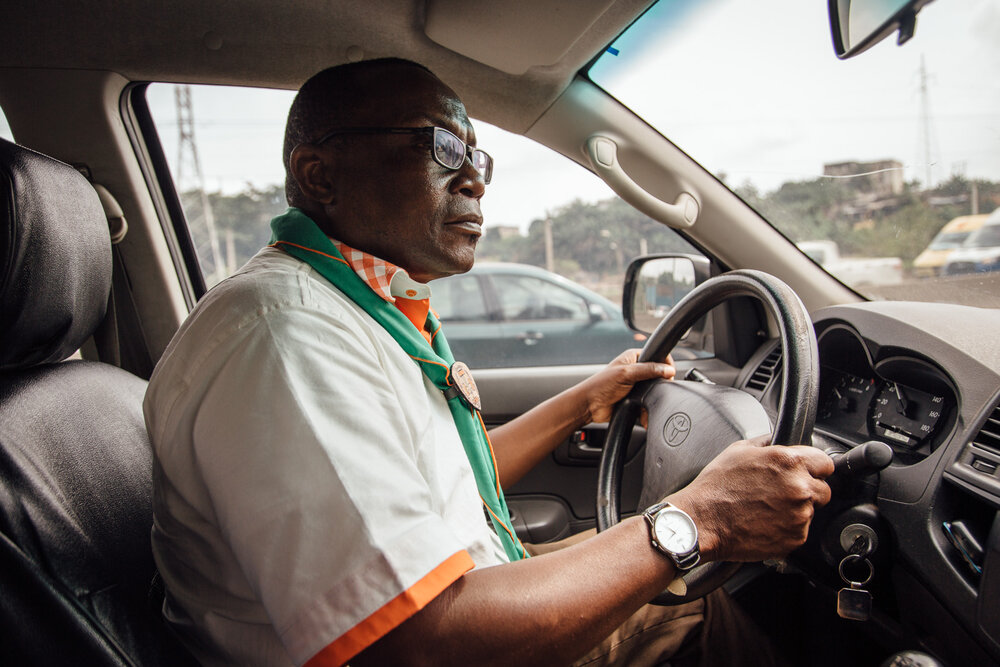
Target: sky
(747, 95)
(731, 82)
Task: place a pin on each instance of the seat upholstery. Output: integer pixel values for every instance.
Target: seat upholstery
(75, 462)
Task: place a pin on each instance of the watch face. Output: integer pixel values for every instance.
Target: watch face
(675, 531)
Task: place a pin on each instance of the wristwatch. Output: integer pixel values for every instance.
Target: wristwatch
(674, 534)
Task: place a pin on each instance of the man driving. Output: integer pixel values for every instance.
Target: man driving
(325, 488)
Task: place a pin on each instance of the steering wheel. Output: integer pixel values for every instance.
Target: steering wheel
(690, 423)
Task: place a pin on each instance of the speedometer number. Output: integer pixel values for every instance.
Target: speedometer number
(903, 415)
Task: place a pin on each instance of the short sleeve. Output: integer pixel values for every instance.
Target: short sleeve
(314, 464)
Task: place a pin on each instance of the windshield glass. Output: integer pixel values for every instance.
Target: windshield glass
(861, 162)
(984, 237)
(948, 241)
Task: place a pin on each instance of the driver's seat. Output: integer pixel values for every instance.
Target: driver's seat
(75, 463)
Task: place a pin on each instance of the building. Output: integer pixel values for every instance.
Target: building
(878, 179)
(506, 231)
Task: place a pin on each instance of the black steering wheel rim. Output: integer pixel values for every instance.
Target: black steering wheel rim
(799, 394)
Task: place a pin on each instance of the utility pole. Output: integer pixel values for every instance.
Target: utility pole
(186, 146)
(550, 259)
(925, 123)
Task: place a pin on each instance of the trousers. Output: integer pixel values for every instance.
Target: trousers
(710, 632)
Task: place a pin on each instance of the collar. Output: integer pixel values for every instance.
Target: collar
(392, 283)
(387, 280)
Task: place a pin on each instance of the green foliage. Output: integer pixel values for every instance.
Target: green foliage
(862, 225)
(599, 239)
(596, 241)
(242, 223)
(805, 209)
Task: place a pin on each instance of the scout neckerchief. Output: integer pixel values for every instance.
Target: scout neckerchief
(296, 234)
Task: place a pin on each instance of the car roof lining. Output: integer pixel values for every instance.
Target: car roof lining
(192, 41)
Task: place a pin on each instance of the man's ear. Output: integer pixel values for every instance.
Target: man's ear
(309, 167)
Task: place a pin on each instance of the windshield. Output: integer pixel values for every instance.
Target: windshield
(873, 155)
(948, 241)
(984, 237)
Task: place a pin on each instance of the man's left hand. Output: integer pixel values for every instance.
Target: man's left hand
(604, 389)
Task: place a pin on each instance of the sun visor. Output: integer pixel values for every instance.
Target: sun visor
(511, 36)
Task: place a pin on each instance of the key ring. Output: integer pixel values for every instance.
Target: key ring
(853, 558)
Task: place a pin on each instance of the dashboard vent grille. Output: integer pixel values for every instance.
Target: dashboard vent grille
(767, 370)
(988, 437)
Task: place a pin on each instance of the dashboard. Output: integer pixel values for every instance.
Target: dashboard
(925, 379)
(904, 400)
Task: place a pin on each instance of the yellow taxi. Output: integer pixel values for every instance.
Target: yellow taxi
(929, 262)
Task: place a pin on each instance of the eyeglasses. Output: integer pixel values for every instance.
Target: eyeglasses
(447, 150)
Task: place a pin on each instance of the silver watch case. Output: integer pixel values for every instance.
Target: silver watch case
(683, 560)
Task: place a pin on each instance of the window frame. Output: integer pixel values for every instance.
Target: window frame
(152, 161)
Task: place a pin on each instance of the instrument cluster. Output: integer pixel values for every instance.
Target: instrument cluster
(899, 399)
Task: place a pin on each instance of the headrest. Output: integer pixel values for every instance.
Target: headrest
(55, 259)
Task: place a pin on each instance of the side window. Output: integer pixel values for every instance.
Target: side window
(5, 128)
(526, 298)
(459, 299)
(224, 145)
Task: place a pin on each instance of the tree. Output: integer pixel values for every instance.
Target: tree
(242, 221)
(598, 238)
(593, 241)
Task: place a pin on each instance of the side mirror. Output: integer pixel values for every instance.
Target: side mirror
(857, 25)
(655, 283)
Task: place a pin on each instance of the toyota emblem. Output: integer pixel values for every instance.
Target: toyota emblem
(677, 428)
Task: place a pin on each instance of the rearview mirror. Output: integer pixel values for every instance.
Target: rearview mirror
(857, 25)
(655, 283)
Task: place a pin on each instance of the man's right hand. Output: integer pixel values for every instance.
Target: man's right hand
(755, 501)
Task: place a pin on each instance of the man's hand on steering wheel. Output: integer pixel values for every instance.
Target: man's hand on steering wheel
(605, 388)
(753, 501)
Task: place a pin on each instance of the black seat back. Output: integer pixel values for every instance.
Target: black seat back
(75, 462)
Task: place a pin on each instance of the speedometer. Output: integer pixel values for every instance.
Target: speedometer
(903, 415)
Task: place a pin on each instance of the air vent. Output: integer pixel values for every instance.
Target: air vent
(988, 437)
(765, 372)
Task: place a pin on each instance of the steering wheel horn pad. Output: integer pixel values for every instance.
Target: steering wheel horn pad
(690, 423)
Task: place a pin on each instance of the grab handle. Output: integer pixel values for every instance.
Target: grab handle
(603, 154)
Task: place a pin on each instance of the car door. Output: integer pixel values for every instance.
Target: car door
(469, 319)
(546, 324)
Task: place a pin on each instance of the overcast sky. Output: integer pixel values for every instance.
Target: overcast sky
(786, 105)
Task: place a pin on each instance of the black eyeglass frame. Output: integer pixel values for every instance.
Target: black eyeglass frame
(469, 153)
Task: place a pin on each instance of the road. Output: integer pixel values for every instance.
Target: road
(980, 289)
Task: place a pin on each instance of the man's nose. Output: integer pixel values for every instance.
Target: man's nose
(468, 180)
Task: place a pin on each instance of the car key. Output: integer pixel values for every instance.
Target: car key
(854, 603)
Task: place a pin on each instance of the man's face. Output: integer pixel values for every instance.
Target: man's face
(391, 198)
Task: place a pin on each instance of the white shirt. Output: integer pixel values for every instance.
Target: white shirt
(311, 490)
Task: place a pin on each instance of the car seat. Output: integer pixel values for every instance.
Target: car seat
(75, 462)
